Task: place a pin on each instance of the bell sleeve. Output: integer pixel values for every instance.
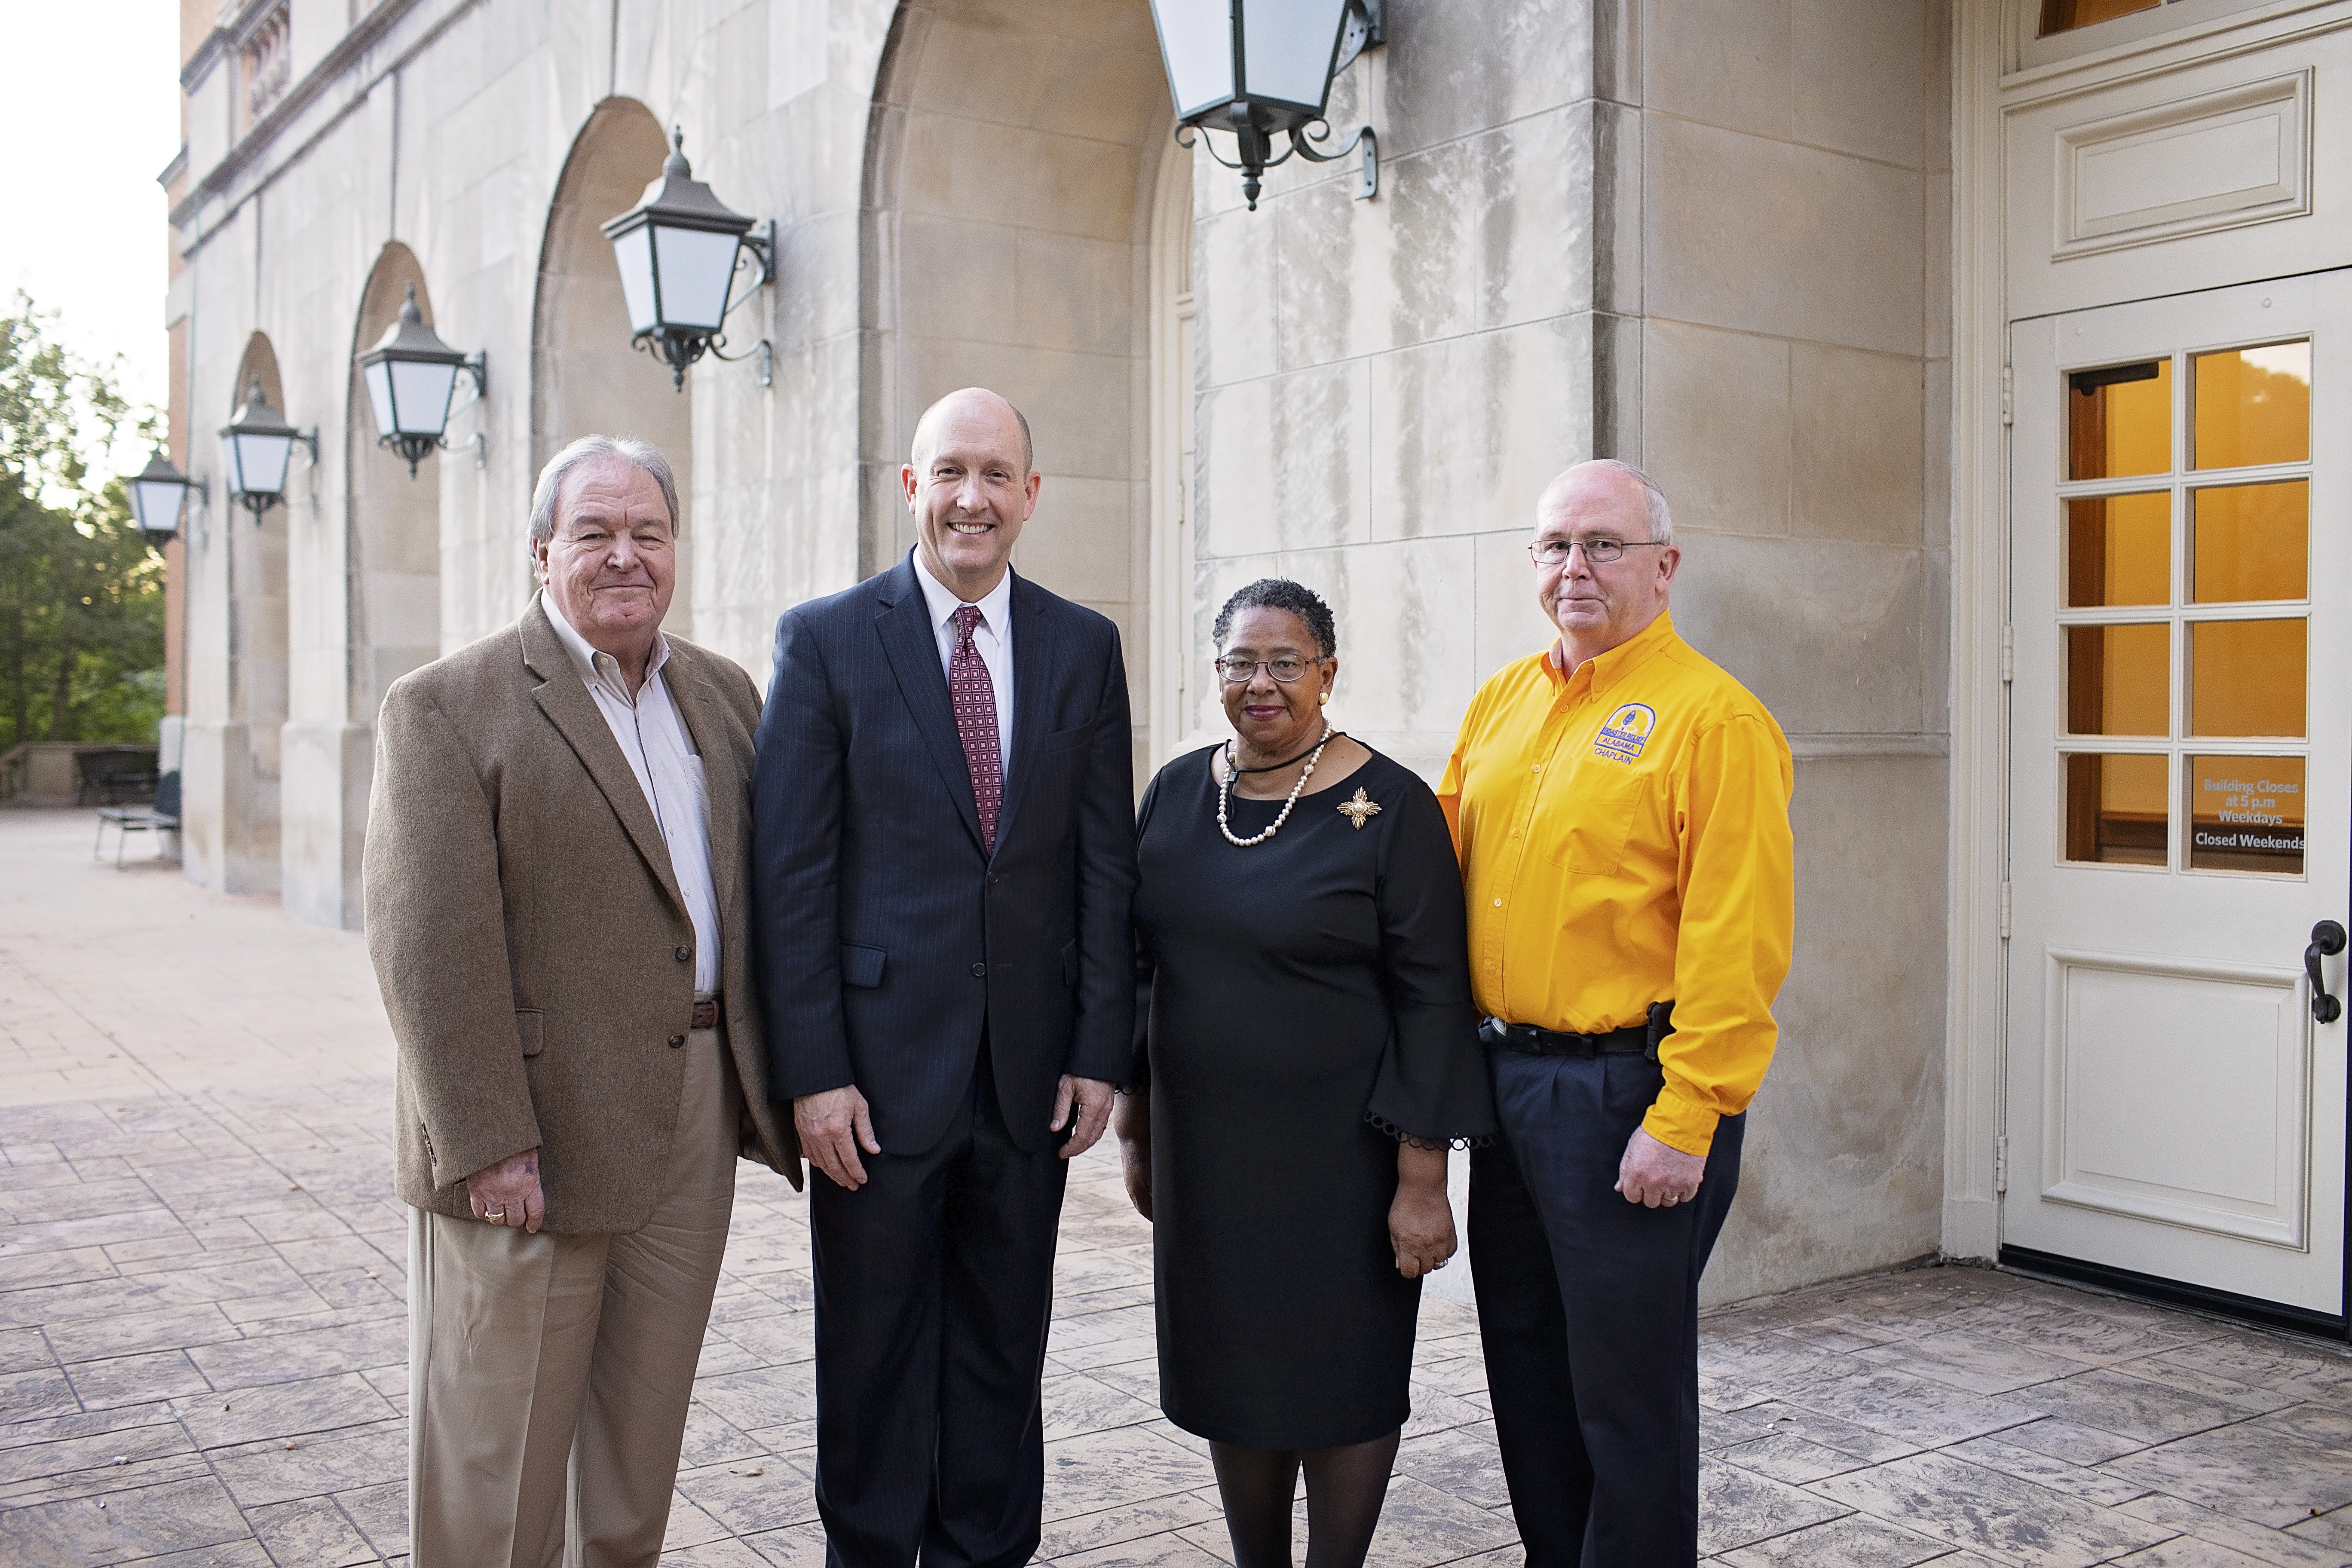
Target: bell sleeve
(1431, 1089)
(1138, 1071)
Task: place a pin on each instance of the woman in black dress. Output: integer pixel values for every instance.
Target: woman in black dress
(1307, 1055)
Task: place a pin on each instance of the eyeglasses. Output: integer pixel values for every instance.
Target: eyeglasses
(1236, 669)
(1598, 552)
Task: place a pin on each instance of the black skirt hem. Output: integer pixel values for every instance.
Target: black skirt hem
(1235, 1438)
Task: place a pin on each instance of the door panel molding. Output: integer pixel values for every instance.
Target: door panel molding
(2192, 165)
(2090, 1075)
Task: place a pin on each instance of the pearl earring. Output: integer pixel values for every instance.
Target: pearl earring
(1324, 697)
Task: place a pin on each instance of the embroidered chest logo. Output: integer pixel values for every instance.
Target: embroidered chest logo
(1626, 732)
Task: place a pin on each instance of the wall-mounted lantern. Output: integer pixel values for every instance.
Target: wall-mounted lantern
(412, 377)
(1263, 68)
(679, 249)
(257, 448)
(159, 493)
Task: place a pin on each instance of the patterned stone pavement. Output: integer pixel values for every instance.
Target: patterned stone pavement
(202, 1335)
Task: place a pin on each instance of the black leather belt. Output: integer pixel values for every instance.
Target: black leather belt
(1634, 1040)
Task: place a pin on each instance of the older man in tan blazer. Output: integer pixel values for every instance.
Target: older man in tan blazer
(556, 906)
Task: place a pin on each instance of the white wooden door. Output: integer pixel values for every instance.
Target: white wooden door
(2181, 770)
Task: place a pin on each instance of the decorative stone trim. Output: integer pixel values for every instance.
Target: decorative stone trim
(266, 55)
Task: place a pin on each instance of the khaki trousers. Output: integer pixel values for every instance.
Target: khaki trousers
(549, 1375)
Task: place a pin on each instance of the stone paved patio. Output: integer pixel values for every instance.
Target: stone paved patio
(202, 1335)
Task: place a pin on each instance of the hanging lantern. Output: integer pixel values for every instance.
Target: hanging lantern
(412, 377)
(1262, 69)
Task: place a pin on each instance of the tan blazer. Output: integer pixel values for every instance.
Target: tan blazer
(535, 955)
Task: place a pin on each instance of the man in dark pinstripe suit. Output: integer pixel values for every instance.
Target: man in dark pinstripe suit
(943, 857)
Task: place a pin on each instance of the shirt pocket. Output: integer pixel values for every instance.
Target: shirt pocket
(1598, 816)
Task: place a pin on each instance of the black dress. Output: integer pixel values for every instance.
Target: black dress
(1306, 1002)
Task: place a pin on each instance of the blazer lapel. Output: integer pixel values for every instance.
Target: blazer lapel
(1035, 657)
(565, 699)
(698, 709)
(913, 649)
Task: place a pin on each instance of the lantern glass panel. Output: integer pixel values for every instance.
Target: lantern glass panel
(1287, 47)
(229, 467)
(1196, 37)
(635, 251)
(261, 463)
(420, 395)
(155, 504)
(698, 267)
(379, 388)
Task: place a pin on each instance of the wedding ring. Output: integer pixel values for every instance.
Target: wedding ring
(498, 1214)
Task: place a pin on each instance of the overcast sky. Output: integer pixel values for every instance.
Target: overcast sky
(91, 115)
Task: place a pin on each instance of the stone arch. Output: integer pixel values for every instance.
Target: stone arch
(258, 673)
(1010, 214)
(585, 379)
(394, 558)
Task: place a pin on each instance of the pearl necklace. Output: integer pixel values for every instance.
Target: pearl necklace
(1225, 791)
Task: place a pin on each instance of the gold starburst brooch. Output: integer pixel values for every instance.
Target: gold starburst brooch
(1359, 810)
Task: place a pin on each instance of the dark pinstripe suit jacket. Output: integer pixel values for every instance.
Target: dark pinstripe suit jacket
(886, 937)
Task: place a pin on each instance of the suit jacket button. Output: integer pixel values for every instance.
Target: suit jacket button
(980, 972)
(684, 954)
(676, 1041)
(993, 879)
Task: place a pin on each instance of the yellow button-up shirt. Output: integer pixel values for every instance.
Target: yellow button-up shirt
(1623, 835)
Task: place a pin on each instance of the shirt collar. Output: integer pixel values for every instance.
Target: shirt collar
(596, 666)
(995, 606)
(1609, 668)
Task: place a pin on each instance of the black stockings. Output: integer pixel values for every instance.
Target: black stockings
(1345, 1488)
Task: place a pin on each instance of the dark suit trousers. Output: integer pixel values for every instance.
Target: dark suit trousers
(934, 1290)
(1589, 1309)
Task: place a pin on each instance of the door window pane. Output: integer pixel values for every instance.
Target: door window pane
(2246, 814)
(2065, 16)
(2119, 420)
(2246, 678)
(2253, 406)
(2119, 550)
(2116, 810)
(2251, 541)
(2119, 680)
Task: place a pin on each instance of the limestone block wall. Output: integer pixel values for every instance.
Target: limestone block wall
(1795, 398)
(1386, 385)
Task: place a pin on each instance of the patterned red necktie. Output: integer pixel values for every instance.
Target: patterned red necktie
(975, 695)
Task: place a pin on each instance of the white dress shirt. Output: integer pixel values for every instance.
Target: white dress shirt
(654, 738)
(992, 638)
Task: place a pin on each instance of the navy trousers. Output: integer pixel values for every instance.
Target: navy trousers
(1588, 1306)
(934, 1290)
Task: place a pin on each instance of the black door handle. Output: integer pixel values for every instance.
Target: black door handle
(2326, 941)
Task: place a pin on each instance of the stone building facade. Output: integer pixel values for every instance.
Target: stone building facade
(1769, 249)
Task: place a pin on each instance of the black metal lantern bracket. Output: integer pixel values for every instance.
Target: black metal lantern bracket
(760, 245)
(1366, 24)
(475, 369)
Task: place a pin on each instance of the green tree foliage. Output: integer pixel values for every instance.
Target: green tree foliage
(81, 594)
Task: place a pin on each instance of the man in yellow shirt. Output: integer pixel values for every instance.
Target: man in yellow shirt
(1620, 809)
